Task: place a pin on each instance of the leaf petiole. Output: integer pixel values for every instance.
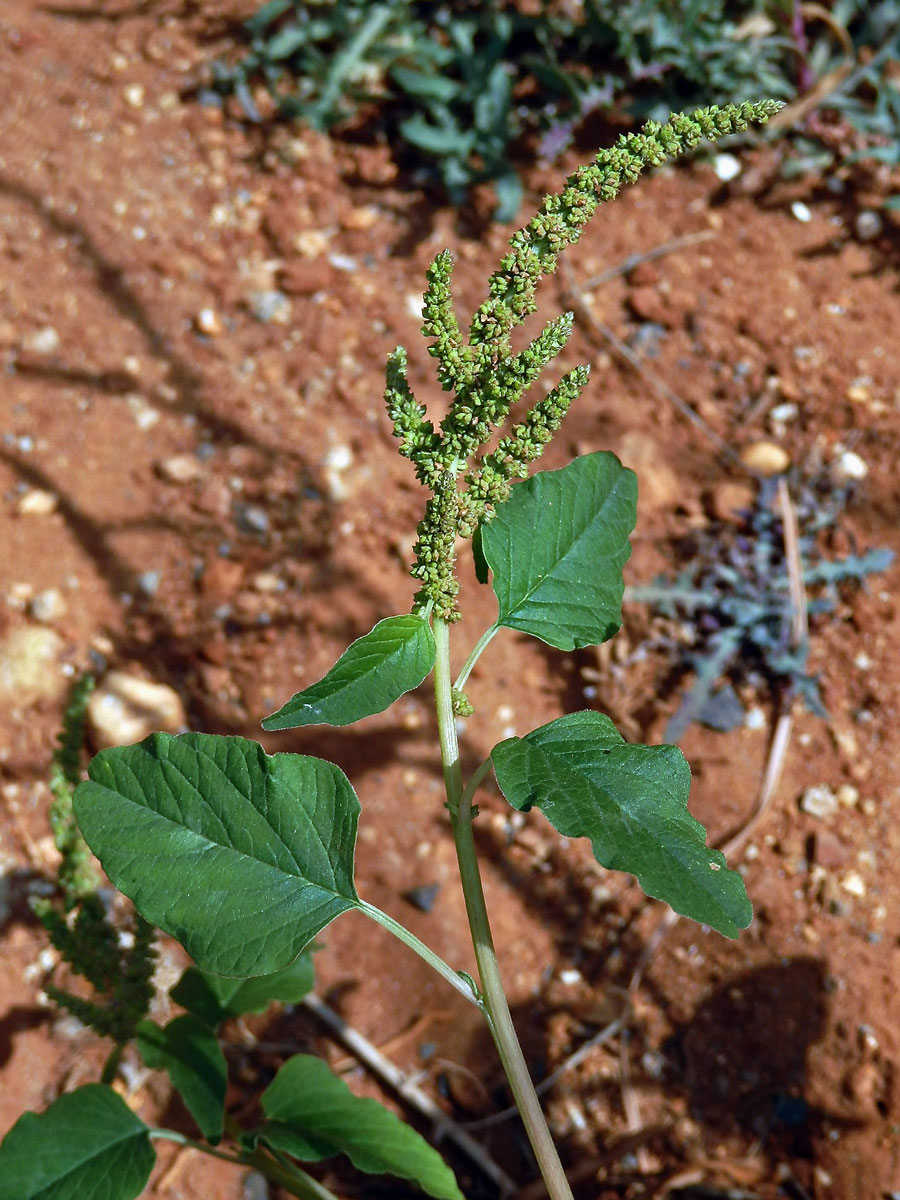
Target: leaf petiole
(284, 1173)
(474, 655)
(456, 979)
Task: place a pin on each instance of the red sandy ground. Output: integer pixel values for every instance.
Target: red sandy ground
(126, 210)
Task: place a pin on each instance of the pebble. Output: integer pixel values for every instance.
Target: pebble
(860, 391)
(726, 167)
(853, 883)
(145, 415)
(342, 262)
(148, 582)
(848, 795)
(251, 518)
(784, 412)
(868, 225)
(42, 341)
(423, 897)
(208, 322)
(766, 458)
(48, 606)
(267, 582)
(338, 459)
(270, 306)
(134, 95)
(30, 668)
(255, 1187)
(180, 468)
(37, 503)
(819, 801)
(126, 708)
(311, 242)
(801, 211)
(755, 719)
(848, 467)
(363, 217)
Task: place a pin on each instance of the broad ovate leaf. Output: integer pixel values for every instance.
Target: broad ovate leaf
(190, 1053)
(373, 672)
(631, 801)
(556, 549)
(311, 1114)
(242, 856)
(214, 998)
(88, 1144)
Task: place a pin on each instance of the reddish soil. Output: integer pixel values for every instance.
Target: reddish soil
(136, 226)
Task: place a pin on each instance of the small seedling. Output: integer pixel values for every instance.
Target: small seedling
(733, 607)
(246, 857)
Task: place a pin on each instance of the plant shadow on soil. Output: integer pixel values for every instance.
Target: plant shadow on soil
(739, 1063)
(298, 526)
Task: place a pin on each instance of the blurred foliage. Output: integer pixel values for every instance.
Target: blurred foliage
(730, 608)
(455, 85)
(118, 964)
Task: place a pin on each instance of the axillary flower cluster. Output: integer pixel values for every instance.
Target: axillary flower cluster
(487, 378)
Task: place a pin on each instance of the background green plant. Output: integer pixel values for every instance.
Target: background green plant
(456, 85)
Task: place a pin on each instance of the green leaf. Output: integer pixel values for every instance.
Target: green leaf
(631, 801)
(440, 139)
(311, 1114)
(214, 998)
(373, 672)
(425, 85)
(242, 857)
(188, 1050)
(88, 1144)
(557, 547)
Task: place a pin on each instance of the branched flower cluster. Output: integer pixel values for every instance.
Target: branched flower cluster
(487, 378)
(80, 928)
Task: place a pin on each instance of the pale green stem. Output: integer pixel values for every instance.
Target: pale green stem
(475, 655)
(460, 982)
(291, 1178)
(493, 995)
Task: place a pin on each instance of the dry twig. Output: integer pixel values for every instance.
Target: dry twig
(408, 1091)
(574, 295)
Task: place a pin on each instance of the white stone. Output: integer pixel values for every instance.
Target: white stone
(49, 606)
(848, 467)
(801, 211)
(726, 167)
(755, 718)
(853, 883)
(180, 468)
(37, 502)
(848, 795)
(125, 709)
(208, 321)
(338, 459)
(43, 341)
(819, 801)
(30, 668)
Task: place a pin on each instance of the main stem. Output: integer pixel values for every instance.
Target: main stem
(493, 995)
